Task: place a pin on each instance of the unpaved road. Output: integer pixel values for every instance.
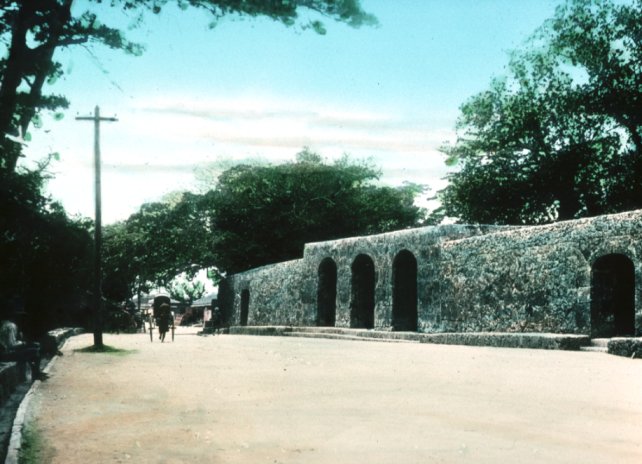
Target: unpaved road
(242, 399)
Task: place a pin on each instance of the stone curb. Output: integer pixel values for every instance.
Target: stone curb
(15, 442)
(529, 340)
(628, 347)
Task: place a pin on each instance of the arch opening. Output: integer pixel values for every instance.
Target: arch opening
(362, 303)
(612, 297)
(327, 293)
(404, 292)
(245, 306)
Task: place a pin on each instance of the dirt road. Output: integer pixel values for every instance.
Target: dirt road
(243, 399)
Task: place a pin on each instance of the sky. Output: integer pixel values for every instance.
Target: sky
(254, 89)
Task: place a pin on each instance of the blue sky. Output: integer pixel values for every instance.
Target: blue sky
(257, 89)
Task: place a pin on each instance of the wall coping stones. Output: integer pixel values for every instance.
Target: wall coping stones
(433, 234)
(50, 343)
(597, 223)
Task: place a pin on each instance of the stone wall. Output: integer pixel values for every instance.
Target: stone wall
(452, 279)
(275, 295)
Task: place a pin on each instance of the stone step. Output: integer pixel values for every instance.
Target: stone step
(340, 336)
(603, 342)
(496, 339)
(598, 345)
(595, 349)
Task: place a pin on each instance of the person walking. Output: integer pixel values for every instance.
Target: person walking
(164, 321)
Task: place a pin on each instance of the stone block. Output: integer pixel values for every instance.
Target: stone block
(628, 347)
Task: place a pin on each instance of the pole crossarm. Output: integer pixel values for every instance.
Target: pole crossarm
(98, 325)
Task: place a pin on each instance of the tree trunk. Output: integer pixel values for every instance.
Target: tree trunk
(25, 62)
(11, 80)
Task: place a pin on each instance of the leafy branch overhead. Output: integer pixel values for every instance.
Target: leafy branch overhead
(33, 31)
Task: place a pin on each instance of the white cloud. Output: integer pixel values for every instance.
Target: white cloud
(156, 145)
(264, 123)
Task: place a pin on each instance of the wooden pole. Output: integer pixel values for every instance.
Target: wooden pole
(98, 294)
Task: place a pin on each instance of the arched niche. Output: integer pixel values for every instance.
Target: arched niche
(245, 306)
(362, 303)
(404, 292)
(327, 293)
(612, 296)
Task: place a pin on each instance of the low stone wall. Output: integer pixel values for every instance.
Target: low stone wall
(629, 347)
(467, 278)
(11, 374)
(54, 339)
(545, 341)
(276, 295)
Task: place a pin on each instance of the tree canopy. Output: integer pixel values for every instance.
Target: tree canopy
(265, 214)
(255, 215)
(153, 246)
(560, 136)
(46, 258)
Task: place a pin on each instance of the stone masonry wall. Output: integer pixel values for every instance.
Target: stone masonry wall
(276, 295)
(469, 278)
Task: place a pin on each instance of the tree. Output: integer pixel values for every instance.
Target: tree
(185, 290)
(33, 30)
(560, 136)
(265, 214)
(46, 257)
(150, 248)
(255, 215)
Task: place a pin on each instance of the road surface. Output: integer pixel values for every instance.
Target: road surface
(244, 399)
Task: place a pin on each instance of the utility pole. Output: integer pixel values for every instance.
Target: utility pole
(98, 293)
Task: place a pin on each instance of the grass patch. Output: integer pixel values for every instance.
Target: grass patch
(32, 446)
(104, 349)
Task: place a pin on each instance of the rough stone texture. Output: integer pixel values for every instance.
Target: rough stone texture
(629, 347)
(546, 341)
(277, 296)
(50, 343)
(469, 278)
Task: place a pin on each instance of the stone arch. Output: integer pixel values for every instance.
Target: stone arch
(327, 293)
(362, 303)
(245, 306)
(404, 292)
(612, 296)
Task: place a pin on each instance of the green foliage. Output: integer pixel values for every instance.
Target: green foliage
(32, 446)
(46, 257)
(185, 291)
(105, 349)
(34, 30)
(265, 214)
(560, 136)
(154, 245)
(255, 215)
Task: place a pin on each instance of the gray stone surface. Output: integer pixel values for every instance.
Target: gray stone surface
(469, 278)
(546, 341)
(629, 347)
